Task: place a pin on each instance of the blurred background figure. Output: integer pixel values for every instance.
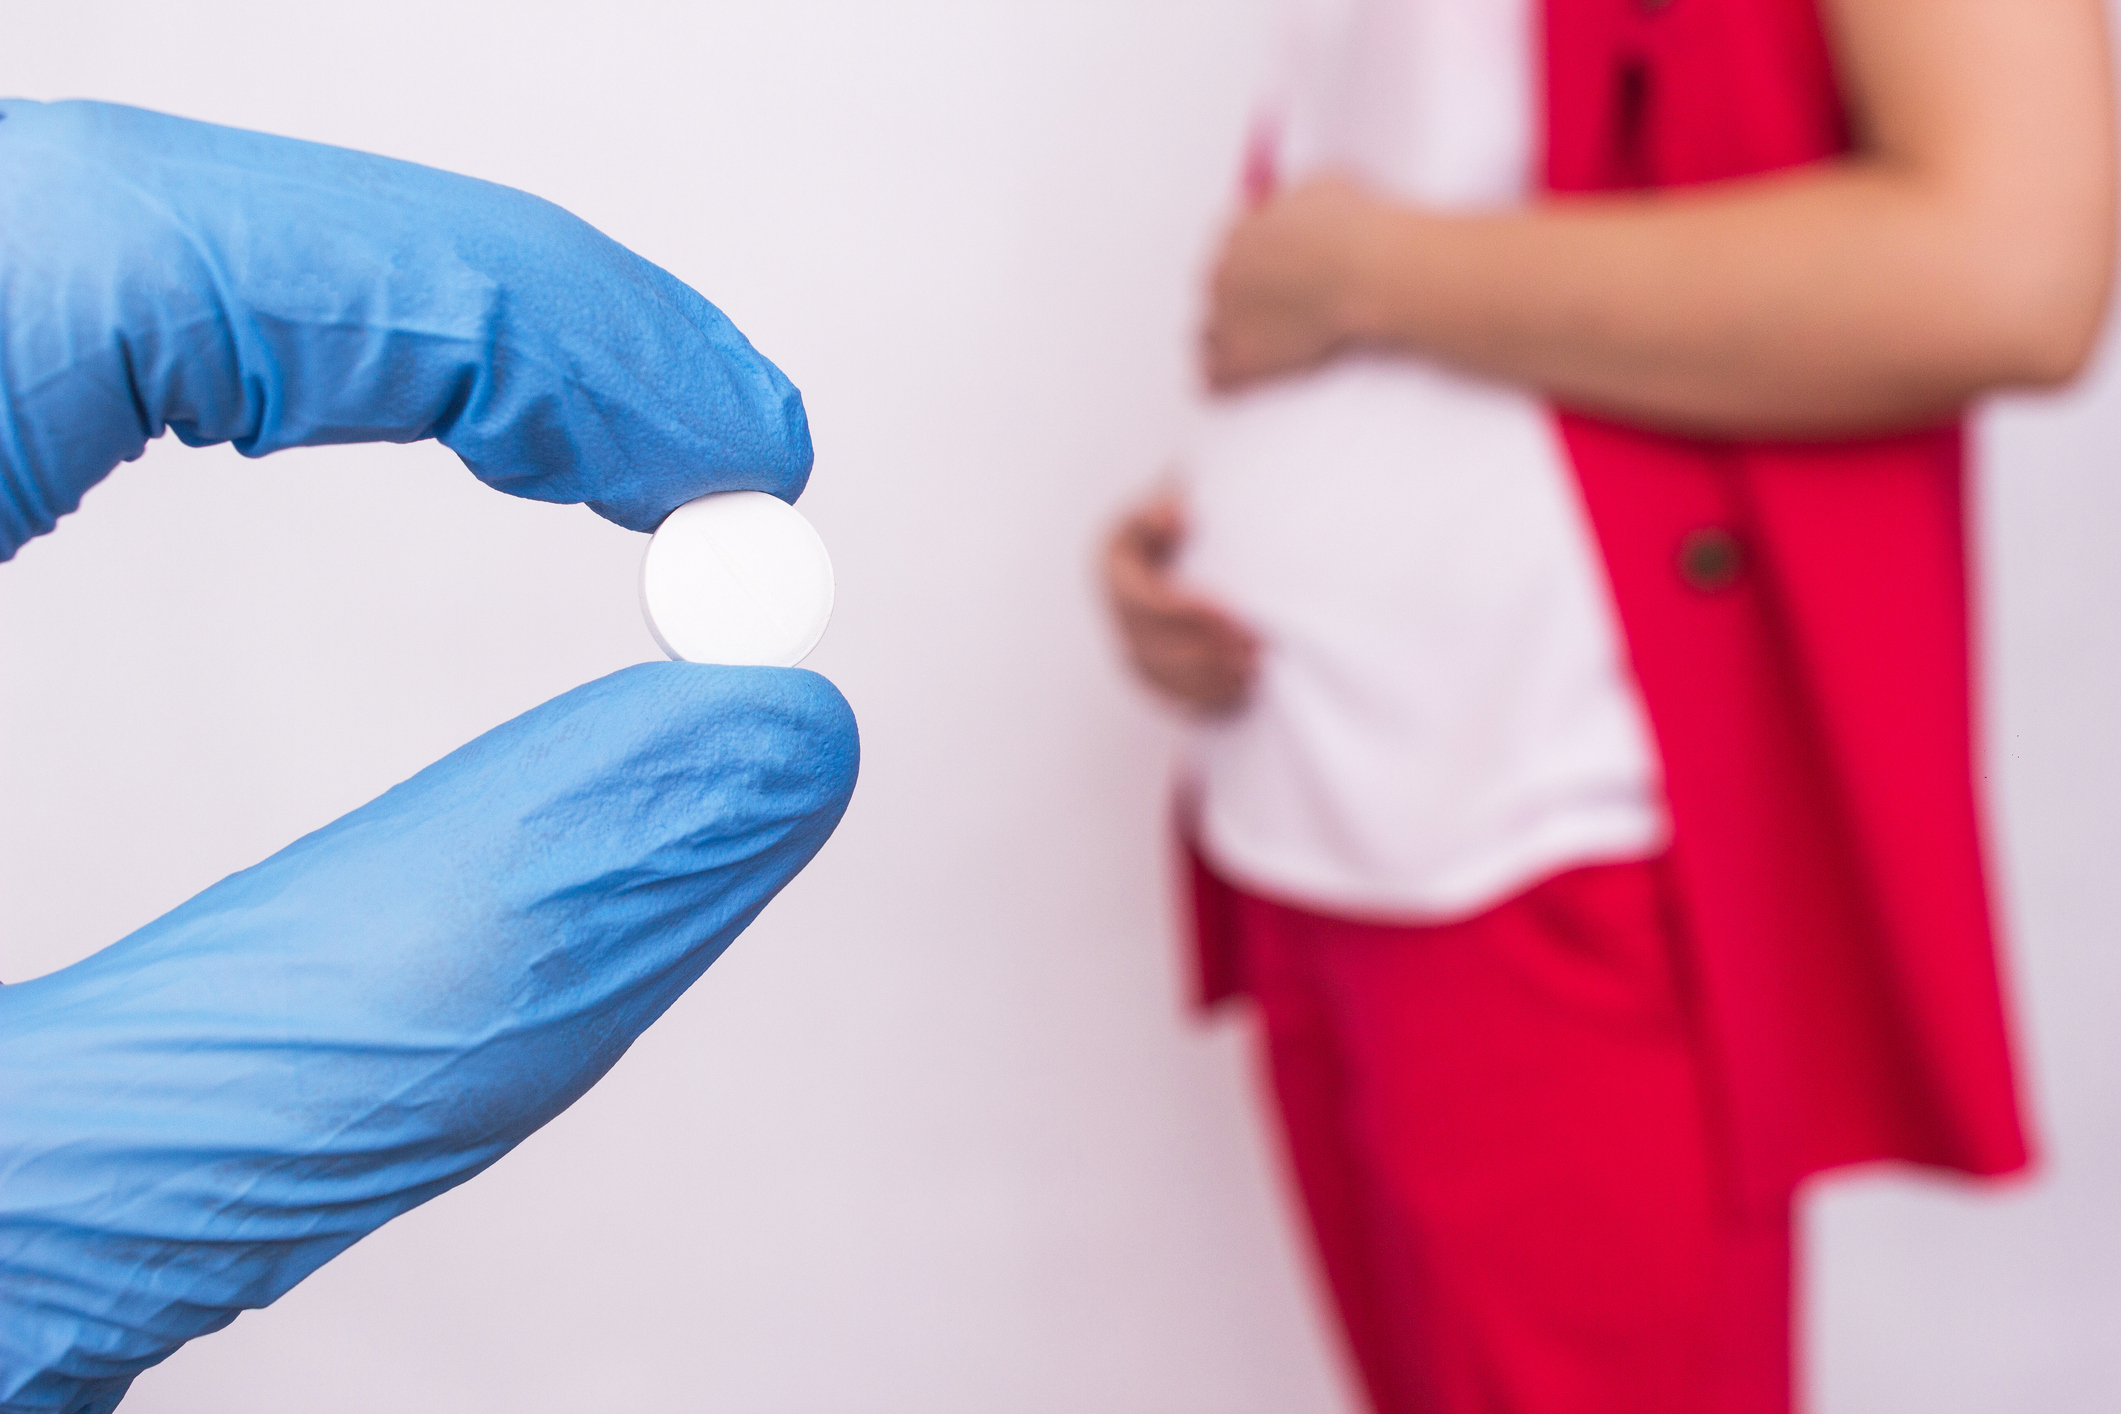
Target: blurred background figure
(1568, 579)
(936, 1137)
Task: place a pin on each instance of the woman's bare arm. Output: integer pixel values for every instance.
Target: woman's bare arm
(1966, 245)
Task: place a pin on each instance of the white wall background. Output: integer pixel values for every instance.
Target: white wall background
(934, 1137)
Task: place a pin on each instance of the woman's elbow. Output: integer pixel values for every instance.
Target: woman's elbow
(2061, 352)
(2054, 346)
(2040, 316)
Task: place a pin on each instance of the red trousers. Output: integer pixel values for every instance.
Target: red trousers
(1500, 1131)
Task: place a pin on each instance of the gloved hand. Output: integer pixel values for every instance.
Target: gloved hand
(197, 1117)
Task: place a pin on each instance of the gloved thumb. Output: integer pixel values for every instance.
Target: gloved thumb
(197, 1117)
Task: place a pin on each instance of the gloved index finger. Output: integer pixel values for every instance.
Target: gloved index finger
(158, 273)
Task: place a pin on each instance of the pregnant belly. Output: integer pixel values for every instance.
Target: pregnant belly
(1378, 512)
(1441, 710)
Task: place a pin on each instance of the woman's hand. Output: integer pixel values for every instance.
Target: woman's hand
(1185, 647)
(1285, 289)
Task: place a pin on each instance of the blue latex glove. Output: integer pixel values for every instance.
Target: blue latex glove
(199, 1116)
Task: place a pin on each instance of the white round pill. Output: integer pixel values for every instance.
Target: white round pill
(738, 577)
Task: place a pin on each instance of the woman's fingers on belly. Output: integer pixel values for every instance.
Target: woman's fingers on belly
(1184, 645)
(1197, 655)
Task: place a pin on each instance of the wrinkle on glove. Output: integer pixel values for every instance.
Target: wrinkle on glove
(231, 286)
(199, 1116)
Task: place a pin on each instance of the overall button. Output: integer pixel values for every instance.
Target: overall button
(1710, 559)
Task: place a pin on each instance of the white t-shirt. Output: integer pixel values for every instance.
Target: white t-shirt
(1443, 714)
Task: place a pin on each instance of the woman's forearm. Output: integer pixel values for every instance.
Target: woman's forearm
(1840, 298)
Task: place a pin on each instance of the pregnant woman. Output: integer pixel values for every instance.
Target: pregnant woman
(1567, 579)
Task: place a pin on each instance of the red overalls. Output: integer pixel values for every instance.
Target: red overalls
(1814, 956)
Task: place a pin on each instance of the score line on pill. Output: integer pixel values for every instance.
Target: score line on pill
(738, 578)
